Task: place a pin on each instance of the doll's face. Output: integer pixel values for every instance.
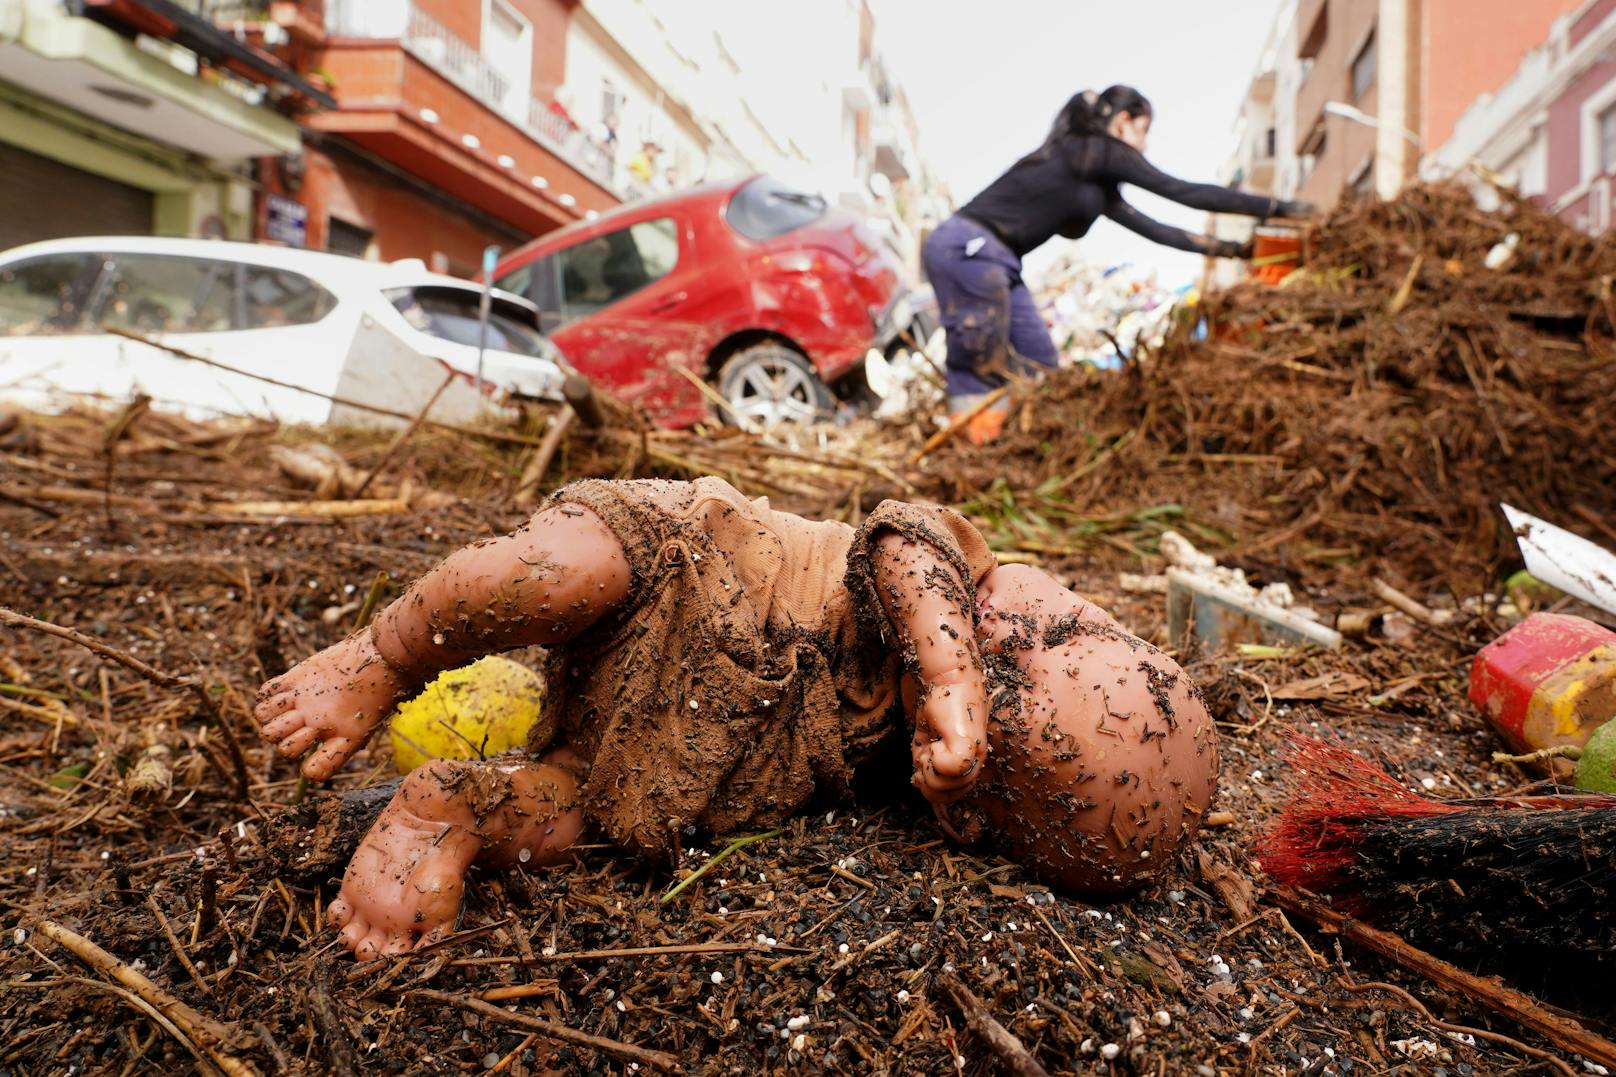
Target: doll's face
(1019, 599)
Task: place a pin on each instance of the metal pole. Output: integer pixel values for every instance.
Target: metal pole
(490, 259)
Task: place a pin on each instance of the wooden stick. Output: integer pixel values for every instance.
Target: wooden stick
(165, 680)
(174, 942)
(1512, 1004)
(385, 506)
(1011, 1053)
(580, 395)
(958, 423)
(533, 473)
(209, 1035)
(615, 1048)
(465, 431)
(1397, 599)
(1466, 1030)
(629, 951)
(404, 435)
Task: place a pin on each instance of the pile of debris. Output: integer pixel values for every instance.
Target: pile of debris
(1372, 411)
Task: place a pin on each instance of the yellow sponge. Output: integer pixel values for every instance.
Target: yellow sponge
(489, 706)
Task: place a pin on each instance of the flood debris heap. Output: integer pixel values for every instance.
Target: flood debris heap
(1375, 408)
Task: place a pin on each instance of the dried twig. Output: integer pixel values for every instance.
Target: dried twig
(404, 436)
(210, 1036)
(1490, 993)
(958, 423)
(166, 680)
(617, 1049)
(466, 431)
(1011, 1052)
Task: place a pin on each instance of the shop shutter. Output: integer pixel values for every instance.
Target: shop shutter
(50, 200)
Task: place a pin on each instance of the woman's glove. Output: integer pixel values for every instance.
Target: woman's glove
(1229, 248)
(1294, 210)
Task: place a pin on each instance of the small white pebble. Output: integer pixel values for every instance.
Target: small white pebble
(1245, 1013)
(723, 910)
(800, 1042)
(524, 856)
(1244, 1037)
(1176, 896)
(903, 996)
(1110, 1051)
(1087, 1046)
(1428, 783)
(1010, 926)
(19, 936)
(1255, 962)
(1163, 1018)
(1093, 914)
(799, 1021)
(842, 949)
(718, 977)
(620, 1007)
(988, 937)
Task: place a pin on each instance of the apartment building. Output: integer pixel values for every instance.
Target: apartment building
(124, 117)
(1378, 82)
(1550, 128)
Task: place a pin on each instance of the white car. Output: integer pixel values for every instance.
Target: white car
(388, 335)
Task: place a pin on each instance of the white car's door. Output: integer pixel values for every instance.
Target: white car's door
(264, 321)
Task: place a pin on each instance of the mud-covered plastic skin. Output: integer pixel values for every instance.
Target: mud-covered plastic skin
(1102, 759)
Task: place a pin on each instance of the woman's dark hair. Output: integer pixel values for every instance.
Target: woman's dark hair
(1089, 113)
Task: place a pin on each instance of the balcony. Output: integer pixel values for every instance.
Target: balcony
(422, 98)
(1262, 88)
(891, 154)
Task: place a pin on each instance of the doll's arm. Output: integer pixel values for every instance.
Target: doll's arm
(927, 602)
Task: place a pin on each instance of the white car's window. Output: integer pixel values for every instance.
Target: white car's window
(604, 269)
(454, 314)
(157, 293)
(43, 295)
(277, 297)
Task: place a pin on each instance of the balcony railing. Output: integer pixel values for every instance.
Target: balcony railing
(429, 41)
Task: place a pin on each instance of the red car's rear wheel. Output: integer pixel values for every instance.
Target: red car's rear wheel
(769, 384)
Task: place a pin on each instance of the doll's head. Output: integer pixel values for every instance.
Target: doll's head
(1103, 758)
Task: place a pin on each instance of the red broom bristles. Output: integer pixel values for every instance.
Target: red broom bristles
(1314, 841)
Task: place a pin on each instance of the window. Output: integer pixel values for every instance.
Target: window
(1363, 69)
(276, 297)
(45, 295)
(508, 47)
(1270, 142)
(602, 270)
(766, 208)
(159, 293)
(454, 314)
(1607, 140)
(344, 238)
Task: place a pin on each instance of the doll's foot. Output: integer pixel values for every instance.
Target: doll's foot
(404, 885)
(337, 698)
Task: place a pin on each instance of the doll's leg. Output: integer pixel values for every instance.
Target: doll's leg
(544, 583)
(404, 884)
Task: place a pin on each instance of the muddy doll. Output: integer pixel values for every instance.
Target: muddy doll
(714, 664)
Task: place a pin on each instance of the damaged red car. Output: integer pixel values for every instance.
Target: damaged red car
(767, 294)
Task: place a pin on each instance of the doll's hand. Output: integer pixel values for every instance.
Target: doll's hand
(950, 738)
(927, 603)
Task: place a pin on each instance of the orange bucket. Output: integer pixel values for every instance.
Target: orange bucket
(1275, 255)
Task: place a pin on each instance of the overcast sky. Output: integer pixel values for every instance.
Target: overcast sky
(985, 80)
